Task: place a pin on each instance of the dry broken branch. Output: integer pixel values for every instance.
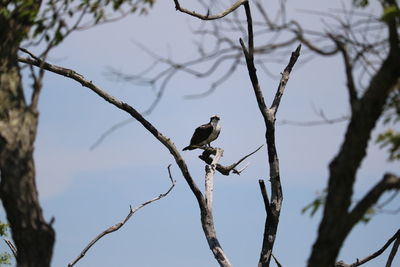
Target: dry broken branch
(209, 179)
(207, 220)
(395, 237)
(226, 170)
(208, 16)
(11, 246)
(269, 115)
(117, 226)
(388, 182)
(324, 121)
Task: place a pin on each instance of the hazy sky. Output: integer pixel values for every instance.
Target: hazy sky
(89, 190)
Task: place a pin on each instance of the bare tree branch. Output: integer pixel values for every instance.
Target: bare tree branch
(11, 246)
(388, 182)
(209, 179)
(396, 237)
(273, 212)
(206, 215)
(313, 123)
(349, 70)
(110, 131)
(208, 16)
(37, 81)
(117, 226)
(393, 251)
(276, 261)
(265, 196)
(285, 77)
(226, 170)
(130, 110)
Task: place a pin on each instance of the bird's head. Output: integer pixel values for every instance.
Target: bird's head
(214, 118)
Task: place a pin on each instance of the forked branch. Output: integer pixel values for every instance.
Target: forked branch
(117, 226)
(206, 215)
(226, 170)
(388, 182)
(273, 206)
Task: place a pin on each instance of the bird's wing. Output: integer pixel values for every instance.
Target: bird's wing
(201, 134)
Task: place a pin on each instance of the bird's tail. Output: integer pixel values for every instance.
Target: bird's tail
(188, 148)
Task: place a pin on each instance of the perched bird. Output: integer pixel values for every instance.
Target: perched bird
(205, 134)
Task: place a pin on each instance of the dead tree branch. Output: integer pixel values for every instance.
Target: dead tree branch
(349, 70)
(11, 246)
(274, 205)
(207, 220)
(324, 121)
(276, 261)
(208, 16)
(117, 226)
(393, 251)
(209, 179)
(388, 182)
(226, 170)
(395, 237)
(285, 77)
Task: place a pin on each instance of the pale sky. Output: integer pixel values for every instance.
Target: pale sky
(89, 190)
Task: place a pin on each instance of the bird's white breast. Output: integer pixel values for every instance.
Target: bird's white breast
(215, 132)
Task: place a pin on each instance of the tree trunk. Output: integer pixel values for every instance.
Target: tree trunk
(33, 237)
(336, 223)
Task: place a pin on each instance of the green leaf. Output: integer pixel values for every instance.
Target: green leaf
(368, 215)
(390, 12)
(3, 229)
(5, 258)
(58, 37)
(390, 138)
(361, 3)
(318, 202)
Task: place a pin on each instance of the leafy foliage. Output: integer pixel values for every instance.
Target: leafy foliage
(318, 202)
(360, 3)
(391, 137)
(5, 257)
(58, 18)
(390, 12)
(390, 9)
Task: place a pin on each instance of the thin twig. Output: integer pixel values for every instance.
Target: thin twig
(349, 70)
(396, 237)
(388, 182)
(285, 77)
(117, 226)
(276, 261)
(110, 131)
(226, 170)
(313, 123)
(393, 251)
(232, 8)
(265, 196)
(11, 246)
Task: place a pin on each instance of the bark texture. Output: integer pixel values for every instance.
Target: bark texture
(336, 222)
(33, 237)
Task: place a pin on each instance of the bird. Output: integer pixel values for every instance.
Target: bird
(205, 134)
